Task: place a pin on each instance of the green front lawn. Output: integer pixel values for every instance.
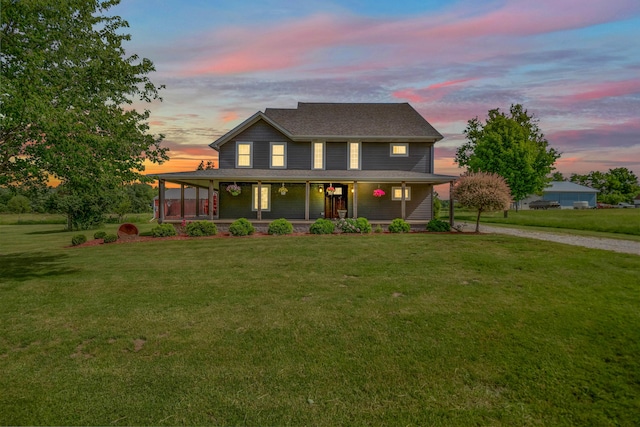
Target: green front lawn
(619, 221)
(418, 329)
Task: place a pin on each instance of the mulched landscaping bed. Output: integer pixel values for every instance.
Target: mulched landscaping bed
(226, 235)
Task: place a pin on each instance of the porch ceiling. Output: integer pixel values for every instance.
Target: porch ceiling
(201, 178)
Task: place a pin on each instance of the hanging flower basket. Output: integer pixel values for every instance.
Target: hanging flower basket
(331, 190)
(234, 189)
(283, 190)
(378, 192)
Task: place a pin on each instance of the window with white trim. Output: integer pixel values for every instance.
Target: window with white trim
(278, 155)
(399, 149)
(244, 159)
(265, 200)
(354, 156)
(317, 155)
(396, 193)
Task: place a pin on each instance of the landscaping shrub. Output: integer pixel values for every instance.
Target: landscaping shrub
(163, 230)
(363, 225)
(438, 225)
(352, 225)
(378, 229)
(241, 227)
(322, 226)
(201, 228)
(110, 238)
(399, 225)
(99, 234)
(280, 226)
(78, 239)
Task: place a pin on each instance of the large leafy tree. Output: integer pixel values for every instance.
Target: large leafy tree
(66, 103)
(511, 145)
(615, 186)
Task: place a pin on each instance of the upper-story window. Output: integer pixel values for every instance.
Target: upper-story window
(354, 155)
(244, 157)
(278, 155)
(317, 155)
(399, 149)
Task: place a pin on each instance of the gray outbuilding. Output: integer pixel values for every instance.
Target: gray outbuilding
(569, 194)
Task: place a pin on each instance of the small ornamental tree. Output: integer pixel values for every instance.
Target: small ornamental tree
(482, 191)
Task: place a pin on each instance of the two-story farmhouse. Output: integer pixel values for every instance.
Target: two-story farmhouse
(320, 160)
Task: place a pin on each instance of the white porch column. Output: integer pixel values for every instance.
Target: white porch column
(181, 201)
(210, 200)
(307, 194)
(161, 189)
(403, 203)
(355, 199)
(259, 216)
(451, 219)
(197, 201)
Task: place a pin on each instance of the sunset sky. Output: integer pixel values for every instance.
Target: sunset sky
(575, 64)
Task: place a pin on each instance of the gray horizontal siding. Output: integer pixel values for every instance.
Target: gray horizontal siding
(376, 156)
(419, 208)
(299, 155)
(290, 206)
(261, 134)
(336, 156)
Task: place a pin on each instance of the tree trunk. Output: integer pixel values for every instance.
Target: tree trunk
(478, 221)
(506, 213)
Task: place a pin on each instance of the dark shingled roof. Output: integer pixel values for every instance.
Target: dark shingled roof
(353, 120)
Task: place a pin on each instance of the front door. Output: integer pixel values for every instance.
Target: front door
(335, 202)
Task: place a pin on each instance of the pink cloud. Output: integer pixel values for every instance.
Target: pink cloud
(230, 116)
(448, 83)
(434, 92)
(410, 95)
(273, 48)
(605, 90)
(457, 32)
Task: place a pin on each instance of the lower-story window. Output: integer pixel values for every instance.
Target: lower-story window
(396, 193)
(265, 200)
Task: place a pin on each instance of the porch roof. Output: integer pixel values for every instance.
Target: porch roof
(202, 177)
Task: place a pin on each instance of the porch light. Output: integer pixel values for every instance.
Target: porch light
(319, 188)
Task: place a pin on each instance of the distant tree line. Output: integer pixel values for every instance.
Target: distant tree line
(614, 186)
(131, 198)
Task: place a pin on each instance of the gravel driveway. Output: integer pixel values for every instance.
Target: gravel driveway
(624, 246)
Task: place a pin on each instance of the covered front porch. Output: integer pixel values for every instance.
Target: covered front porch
(378, 196)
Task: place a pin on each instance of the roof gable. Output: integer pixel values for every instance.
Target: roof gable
(244, 126)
